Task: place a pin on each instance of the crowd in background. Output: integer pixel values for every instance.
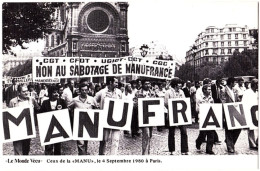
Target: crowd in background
(88, 95)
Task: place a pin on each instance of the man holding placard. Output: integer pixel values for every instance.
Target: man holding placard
(145, 92)
(176, 92)
(22, 147)
(206, 98)
(83, 101)
(227, 95)
(110, 91)
(250, 98)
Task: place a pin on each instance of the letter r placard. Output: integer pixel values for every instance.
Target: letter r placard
(17, 124)
(179, 111)
(151, 112)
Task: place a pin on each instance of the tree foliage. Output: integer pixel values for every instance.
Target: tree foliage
(25, 22)
(21, 70)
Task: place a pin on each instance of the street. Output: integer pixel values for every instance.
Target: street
(159, 144)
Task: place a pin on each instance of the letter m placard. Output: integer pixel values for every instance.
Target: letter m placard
(18, 124)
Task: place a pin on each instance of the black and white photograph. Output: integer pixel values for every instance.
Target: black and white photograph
(130, 85)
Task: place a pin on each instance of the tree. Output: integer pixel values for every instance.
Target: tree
(21, 70)
(25, 22)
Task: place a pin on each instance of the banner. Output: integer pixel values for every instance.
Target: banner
(151, 112)
(71, 67)
(54, 127)
(211, 117)
(235, 115)
(179, 111)
(18, 124)
(118, 114)
(88, 125)
(20, 80)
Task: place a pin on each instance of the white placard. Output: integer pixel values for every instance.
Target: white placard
(151, 112)
(179, 111)
(57, 123)
(118, 114)
(87, 124)
(211, 117)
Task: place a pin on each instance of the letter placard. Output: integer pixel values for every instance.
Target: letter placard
(151, 112)
(54, 127)
(18, 124)
(235, 115)
(179, 111)
(87, 125)
(211, 117)
(251, 113)
(118, 114)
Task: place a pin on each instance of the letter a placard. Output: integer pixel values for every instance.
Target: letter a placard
(179, 111)
(211, 117)
(151, 112)
(18, 124)
(54, 127)
(87, 124)
(118, 114)
(235, 115)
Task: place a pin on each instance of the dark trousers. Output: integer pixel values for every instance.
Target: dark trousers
(216, 139)
(184, 139)
(53, 149)
(210, 139)
(22, 147)
(82, 147)
(134, 123)
(231, 137)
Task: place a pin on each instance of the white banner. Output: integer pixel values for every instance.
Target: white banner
(54, 127)
(71, 67)
(179, 111)
(151, 112)
(211, 117)
(18, 123)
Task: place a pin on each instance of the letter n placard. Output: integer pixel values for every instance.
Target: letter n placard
(179, 111)
(151, 112)
(118, 114)
(87, 124)
(235, 116)
(251, 112)
(211, 117)
(54, 127)
(17, 124)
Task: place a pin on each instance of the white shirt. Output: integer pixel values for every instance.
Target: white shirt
(67, 95)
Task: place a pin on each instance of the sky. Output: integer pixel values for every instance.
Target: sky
(176, 24)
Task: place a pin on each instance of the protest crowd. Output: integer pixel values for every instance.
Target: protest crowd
(87, 95)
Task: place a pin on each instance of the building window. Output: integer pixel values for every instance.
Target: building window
(244, 36)
(245, 43)
(47, 41)
(234, 29)
(230, 29)
(206, 52)
(215, 51)
(58, 40)
(229, 43)
(229, 51)
(222, 37)
(236, 36)
(206, 44)
(75, 45)
(222, 43)
(222, 51)
(229, 36)
(123, 48)
(211, 37)
(212, 30)
(221, 30)
(236, 43)
(52, 41)
(214, 60)
(243, 29)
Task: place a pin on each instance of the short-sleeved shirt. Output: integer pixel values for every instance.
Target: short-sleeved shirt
(203, 100)
(18, 102)
(106, 93)
(80, 103)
